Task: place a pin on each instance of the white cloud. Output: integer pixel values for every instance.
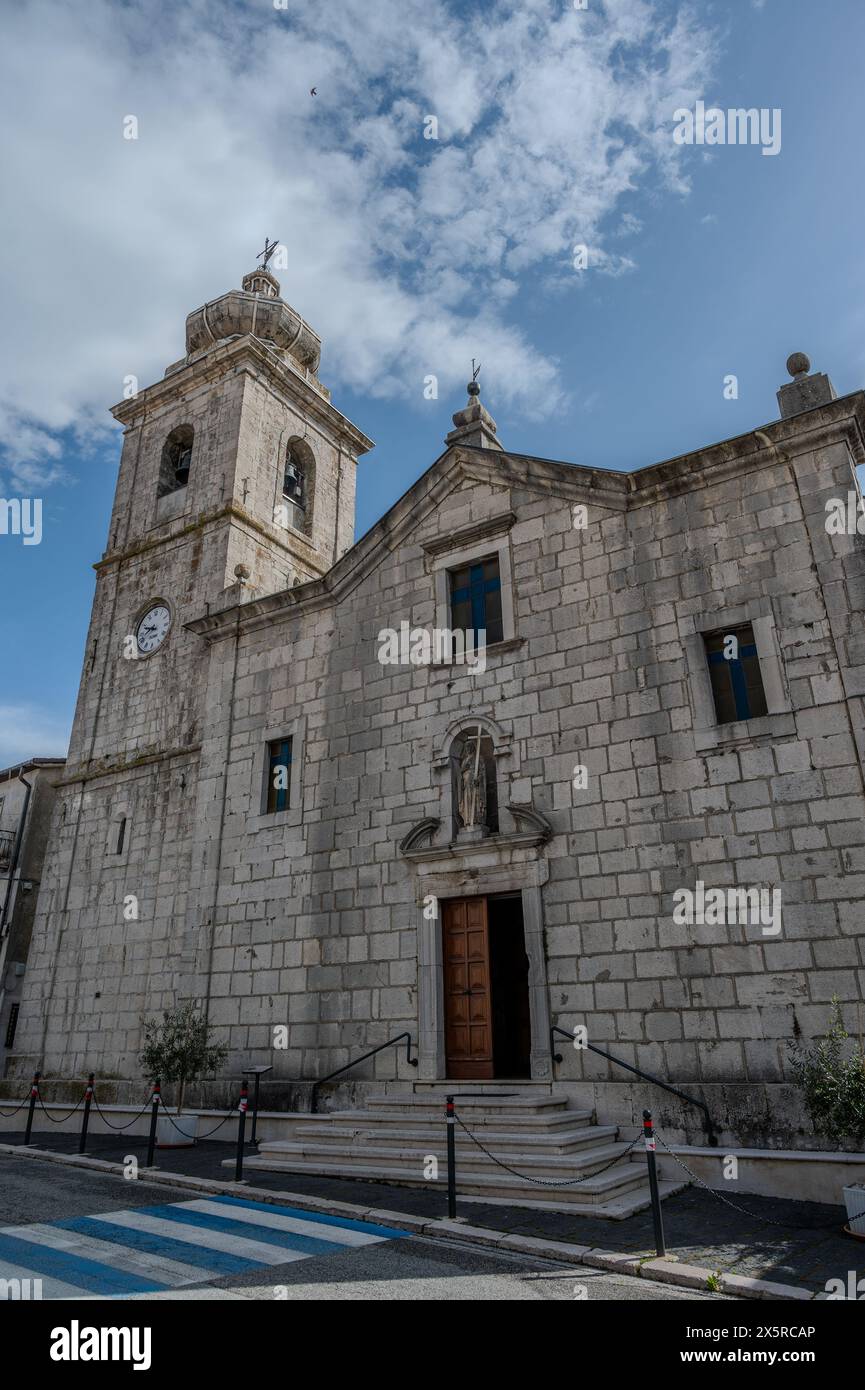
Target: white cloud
(403, 252)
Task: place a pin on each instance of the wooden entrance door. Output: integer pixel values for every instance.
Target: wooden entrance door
(468, 1006)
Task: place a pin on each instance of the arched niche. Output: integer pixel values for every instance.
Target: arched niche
(473, 779)
(298, 484)
(176, 460)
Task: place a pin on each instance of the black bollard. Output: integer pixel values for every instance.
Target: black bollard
(241, 1126)
(34, 1096)
(88, 1097)
(649, 1136)
(154, 1115)
(452, 1158)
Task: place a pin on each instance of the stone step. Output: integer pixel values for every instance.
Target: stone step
(595, 1197)
(556, 1142)
(433, 1121)
(471, 1162)
(492, 1088)
(526, 1119)
(468, 1099)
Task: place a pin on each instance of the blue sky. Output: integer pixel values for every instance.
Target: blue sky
(410, 256)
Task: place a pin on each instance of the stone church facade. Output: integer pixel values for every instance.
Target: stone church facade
(264, 807)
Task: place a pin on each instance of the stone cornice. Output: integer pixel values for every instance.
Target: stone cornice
(492, 851)
(483, 530)
(841, 420)
(231, 511)
(247, 354)
(593, 486)
(104, 767)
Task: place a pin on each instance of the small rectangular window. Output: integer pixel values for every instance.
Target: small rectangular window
(12, 1025)
(278, 775)
(734, 670)
(476, 599)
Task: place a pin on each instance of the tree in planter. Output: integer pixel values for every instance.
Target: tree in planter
(833, 1081)
(177, 1048)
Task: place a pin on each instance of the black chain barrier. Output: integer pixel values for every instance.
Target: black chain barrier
(547, 1182)
(573, 1182)
(119, 1128)
(766, 1220)
(186, 1135)
(7, 1114)
(59, 1120)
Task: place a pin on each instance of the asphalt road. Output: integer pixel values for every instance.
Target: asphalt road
(34, 1194)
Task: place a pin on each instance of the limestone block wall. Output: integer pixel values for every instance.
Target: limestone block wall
(600, 678)
(108, 944)
(781, 807)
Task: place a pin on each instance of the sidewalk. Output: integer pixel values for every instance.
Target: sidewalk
(700, 1230)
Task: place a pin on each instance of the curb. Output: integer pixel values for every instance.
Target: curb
(663, 1271)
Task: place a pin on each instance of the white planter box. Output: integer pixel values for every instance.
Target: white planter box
(168, 1135)
(854, 1201)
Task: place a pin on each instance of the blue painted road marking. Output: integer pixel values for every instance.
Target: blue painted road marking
(120, 1254)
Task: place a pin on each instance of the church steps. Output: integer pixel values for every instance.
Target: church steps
(540, 1137)
(615, 1194)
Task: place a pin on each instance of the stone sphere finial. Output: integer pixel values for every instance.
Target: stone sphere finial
(241, 573)
(798, 364)
(473, 388)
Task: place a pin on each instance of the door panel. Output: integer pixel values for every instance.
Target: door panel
(468, 1011)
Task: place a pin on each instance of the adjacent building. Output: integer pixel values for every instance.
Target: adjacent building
(27, 793)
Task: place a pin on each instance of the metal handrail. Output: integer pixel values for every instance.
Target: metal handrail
(647, 1076)
(412, 1061)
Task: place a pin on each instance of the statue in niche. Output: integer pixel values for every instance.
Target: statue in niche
(474, 791)
(473, 784)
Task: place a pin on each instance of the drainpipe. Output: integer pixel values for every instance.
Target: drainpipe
(16, 852)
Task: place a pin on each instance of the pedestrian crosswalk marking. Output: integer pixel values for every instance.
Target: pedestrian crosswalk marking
(73, 1269)
(144, 1241)
(342, 1223)
(331, 1228)
(157, 1248)
(165, 1264)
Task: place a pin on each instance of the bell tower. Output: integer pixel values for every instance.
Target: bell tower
(240, 441)
(236, 480)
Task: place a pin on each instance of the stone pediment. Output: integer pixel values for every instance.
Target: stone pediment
(534, 830)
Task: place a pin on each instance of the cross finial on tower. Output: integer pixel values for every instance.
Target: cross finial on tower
(473, 388)
(269, 248)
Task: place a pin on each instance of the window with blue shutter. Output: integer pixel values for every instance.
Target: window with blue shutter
(734, 670)
(476, 599)
(278, 775)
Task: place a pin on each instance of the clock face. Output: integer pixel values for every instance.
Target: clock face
(153, 628)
